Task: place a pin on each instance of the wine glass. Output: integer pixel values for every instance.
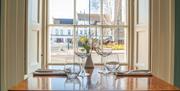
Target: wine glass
(100, 46)
(112, 63)
(83, 54)
(103, 52)
(83, 50)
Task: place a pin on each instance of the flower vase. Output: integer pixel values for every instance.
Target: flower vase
(89, 62)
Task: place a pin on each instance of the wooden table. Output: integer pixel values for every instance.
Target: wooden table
(95, 81)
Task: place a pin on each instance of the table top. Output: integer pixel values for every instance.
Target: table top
(95, 81)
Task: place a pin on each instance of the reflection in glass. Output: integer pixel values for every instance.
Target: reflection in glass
(72, 84)
(107, 82)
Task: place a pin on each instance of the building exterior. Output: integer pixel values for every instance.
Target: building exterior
(63, 35)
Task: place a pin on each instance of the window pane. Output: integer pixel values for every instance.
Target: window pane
(61, 11)
(60, 43)
(89, 10)
(114, 12)
(116, 39)
(90, 33)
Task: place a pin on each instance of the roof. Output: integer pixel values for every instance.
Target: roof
(94, 17)
(62, 21)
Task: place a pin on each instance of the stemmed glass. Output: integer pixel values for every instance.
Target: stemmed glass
(83, 50)
(103, 52)
(83, 54)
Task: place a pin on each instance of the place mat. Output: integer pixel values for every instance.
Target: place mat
(135, 73)
(45, 70)
(49, 72)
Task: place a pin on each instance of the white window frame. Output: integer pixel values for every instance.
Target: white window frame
(101, 26)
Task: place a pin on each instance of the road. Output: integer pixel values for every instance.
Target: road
(60, 57)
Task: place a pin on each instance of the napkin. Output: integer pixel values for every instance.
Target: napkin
(49, 72)
(135, 73)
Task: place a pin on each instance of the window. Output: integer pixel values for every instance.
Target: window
(105, 20)
(81, 32)
(61, 32)
(57, 32)
(60, 40)
(85, 32)
(69, 32)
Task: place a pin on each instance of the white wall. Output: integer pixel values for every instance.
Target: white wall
(13, 42)
(162, 39)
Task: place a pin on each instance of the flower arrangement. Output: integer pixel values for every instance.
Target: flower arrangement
(85, 43)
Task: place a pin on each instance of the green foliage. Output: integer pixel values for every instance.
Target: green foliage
(86, 45)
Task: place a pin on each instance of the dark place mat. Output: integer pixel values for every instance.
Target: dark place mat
(135, 73)
(49, 72)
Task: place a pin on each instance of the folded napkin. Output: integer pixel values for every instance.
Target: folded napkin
(135, 73)
(49, 72)
(45, 70)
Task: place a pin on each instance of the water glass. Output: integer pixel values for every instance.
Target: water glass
(112, 63)
(72, 68)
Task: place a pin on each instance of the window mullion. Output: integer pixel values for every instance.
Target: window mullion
(74, 28)
(101, 20)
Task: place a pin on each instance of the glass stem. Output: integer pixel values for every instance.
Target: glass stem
(102, 61)
(104, 67)
(83, 65)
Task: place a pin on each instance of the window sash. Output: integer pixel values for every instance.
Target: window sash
(74, 26)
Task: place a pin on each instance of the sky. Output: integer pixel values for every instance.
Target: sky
(65, 8)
